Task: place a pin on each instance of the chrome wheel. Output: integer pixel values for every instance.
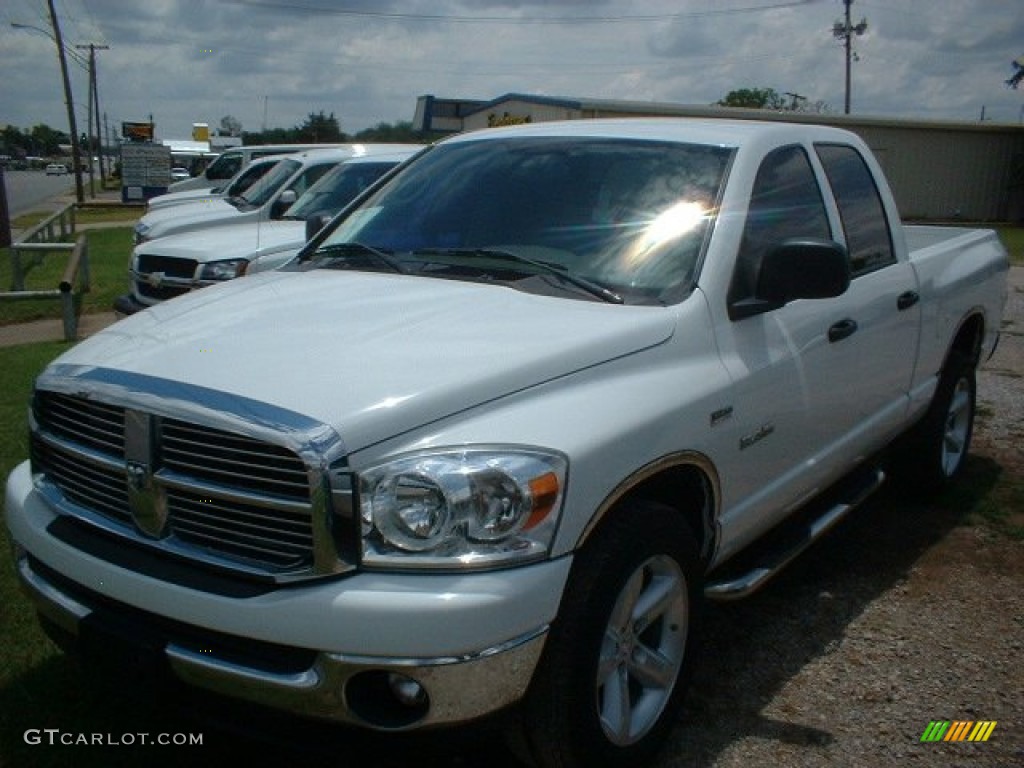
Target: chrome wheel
(642, 650)
(957, 428)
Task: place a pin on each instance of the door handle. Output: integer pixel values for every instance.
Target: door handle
(907, 300)
(841, 330)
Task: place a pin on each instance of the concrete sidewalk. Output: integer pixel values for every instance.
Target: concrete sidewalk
(52, 329)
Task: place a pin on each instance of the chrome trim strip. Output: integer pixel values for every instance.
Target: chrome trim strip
(88, 455)
(188, 662)
(172, 480)
(60, 608)
(709, 513)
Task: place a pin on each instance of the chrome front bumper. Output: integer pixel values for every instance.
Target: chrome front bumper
(358, 690)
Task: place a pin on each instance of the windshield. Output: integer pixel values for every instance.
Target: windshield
(337, 189)
(264, 188)
(630, 216)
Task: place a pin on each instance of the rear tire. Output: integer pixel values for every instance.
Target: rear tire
(936, 452)
(616, 663)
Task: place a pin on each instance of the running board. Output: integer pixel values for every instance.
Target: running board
(769, 562)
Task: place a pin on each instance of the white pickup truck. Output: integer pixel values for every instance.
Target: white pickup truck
(516, 413)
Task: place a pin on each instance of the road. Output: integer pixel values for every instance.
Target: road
(31, 190)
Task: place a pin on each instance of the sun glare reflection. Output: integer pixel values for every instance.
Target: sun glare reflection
(670, 224)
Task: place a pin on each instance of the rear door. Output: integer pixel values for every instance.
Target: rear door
(882, 302)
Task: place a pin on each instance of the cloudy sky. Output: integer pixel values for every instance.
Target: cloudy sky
(273, 62)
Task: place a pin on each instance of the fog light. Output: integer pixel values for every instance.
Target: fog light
(406, 690)
(386, 700)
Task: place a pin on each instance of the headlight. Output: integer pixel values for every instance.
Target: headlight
(477, 508)
(223, 270)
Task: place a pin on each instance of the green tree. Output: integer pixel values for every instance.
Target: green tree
(230, 126)
(398, 133)
(47, 140)
(320, 129)
(13, 141)
(754, 98)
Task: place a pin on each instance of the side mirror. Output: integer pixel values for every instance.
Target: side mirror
(797, 269)
(282, 203)
(315, 223)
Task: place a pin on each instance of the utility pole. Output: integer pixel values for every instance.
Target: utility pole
(76, 154)
(845, 30)
(94, 108)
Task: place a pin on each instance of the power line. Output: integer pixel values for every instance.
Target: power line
(462, 19)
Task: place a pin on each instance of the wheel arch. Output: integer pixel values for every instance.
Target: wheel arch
(687, 482)
(968, 339)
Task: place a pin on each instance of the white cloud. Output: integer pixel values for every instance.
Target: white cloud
(189, 61)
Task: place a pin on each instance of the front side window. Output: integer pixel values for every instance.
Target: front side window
(264, 188)
(627, 215)
(337, 189)
(308, 178)
(860, 208)
(785, 203)
(247, 177)
(225, 166)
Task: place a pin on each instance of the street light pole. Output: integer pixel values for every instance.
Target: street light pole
(845, 30)
(76, 155)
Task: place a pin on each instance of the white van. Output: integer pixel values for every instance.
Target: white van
(231, 161)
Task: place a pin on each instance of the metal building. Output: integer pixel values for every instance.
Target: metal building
(938, 170)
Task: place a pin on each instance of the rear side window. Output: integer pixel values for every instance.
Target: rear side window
(785, 203)
(860, 207)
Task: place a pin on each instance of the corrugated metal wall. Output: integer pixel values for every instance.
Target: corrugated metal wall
(941, 174)
(938, 171)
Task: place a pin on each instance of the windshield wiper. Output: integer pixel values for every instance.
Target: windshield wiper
(559, 271)
(343, 250)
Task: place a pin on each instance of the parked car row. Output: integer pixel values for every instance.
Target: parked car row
(260, 220)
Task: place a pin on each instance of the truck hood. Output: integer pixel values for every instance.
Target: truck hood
(180, 198)
(205, 211)
(372, 355)
(248, 240)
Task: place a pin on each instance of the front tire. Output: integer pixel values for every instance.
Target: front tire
(616, 663)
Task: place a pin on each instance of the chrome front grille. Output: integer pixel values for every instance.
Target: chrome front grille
(90, 484)
(148, 267)
(245, 530)
(169, 265)
(214, 495)
(241, 462)
(85, 422)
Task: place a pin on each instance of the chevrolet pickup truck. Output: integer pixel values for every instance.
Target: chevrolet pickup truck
(509, 420)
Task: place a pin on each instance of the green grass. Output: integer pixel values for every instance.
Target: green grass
(1013, 239)
(109, 254)
(100, 214)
